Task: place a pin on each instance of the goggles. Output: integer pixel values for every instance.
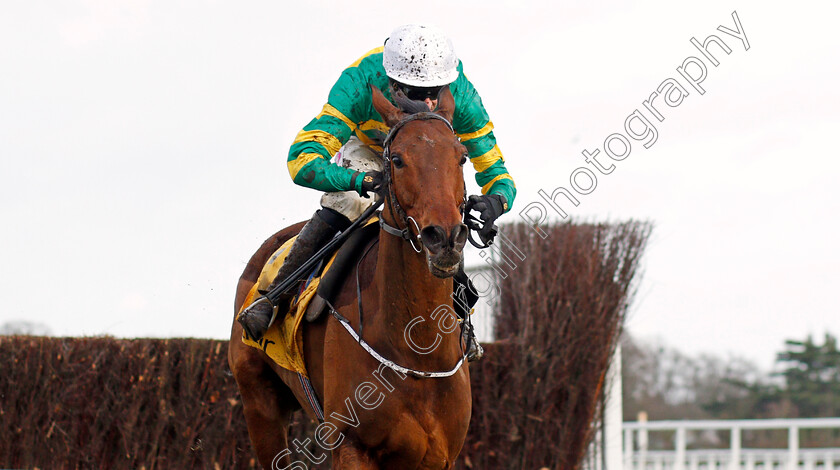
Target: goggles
(417, 93)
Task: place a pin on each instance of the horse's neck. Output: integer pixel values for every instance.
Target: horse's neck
(407, 292)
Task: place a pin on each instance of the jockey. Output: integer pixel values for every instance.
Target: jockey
(419, 61)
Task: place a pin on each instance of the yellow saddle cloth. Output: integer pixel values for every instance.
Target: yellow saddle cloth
(283, 342)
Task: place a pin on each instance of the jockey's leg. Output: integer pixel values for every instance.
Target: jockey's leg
(338, 211)
(356, 156)
(465, 297)
(320, 229)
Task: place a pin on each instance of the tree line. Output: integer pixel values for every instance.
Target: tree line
(665, 383)
(668, 384)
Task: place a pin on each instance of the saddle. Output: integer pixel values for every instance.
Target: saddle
(283, 341)
(346, 258)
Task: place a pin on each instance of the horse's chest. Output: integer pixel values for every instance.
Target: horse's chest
(404, 423)
(419, 440)
(425, 427)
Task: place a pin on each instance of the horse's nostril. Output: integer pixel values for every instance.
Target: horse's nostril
(458, 238)
(434, 238)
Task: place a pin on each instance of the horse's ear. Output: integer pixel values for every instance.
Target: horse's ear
(390, 113)
(446, 103)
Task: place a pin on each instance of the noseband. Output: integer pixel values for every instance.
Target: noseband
(397, 211)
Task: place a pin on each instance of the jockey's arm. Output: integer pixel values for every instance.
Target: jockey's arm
(475, 129)
(309, 156)
(350, 103)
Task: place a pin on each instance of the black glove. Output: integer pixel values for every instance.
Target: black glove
(371, 181)
(491, 207)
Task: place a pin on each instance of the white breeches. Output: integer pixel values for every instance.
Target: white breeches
(356, 156)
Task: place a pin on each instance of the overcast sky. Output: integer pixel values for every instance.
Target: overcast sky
(143, 150)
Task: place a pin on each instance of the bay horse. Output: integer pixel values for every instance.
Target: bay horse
(377, 416)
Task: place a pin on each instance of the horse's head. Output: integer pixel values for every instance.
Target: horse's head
(424, 179)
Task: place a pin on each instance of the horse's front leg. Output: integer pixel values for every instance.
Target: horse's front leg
(349, 457)
(266, 401)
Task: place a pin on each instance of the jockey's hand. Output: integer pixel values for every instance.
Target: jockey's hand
(490, 207)
(371, 182)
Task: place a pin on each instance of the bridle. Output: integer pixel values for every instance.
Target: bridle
(397, 212)
(400, 216)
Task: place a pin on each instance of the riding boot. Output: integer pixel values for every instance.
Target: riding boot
(474, 351)
(315, 234)
(465, 298)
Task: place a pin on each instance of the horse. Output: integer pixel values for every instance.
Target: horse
(382, 408)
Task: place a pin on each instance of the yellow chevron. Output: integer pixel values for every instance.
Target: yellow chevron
(487, 160)
(489, 185)
(366, 140)
(329, 141)
(329, 110)
(369, 53)
(374, 124)
(479, 133)
(301, 161)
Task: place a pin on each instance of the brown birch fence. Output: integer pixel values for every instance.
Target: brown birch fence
(172, 404)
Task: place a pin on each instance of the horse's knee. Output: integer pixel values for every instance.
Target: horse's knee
(247, 368)
(352, 458)
(264, 395)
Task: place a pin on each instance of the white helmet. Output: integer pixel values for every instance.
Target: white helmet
(420, 56)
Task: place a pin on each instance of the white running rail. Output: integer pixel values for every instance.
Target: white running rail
(637, 456)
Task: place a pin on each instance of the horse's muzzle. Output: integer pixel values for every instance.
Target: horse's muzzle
(444, 250)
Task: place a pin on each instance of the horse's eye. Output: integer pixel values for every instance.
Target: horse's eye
(463, 160)
(398, 162)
